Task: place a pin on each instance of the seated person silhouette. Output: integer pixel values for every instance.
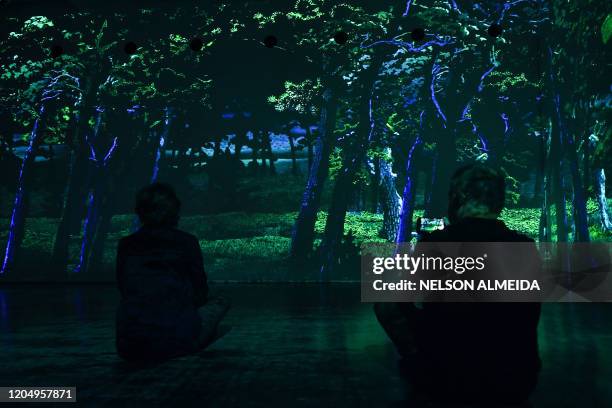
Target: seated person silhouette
(469, 352)
(165, 310)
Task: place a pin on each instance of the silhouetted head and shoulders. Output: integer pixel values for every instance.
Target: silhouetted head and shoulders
(158, 210)
(476, 199)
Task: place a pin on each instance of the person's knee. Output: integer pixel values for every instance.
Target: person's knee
(386, 312)
(214, 310)
(377, 308)
(220, 301)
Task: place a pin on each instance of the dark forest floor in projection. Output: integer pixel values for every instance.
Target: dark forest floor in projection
(289, 346)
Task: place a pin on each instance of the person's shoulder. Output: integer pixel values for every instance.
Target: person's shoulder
(126, 240)
(443, 235)
(184, 236)
(186, 241)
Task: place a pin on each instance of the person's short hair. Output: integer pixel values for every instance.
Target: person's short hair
(476, 189)
(157, 205)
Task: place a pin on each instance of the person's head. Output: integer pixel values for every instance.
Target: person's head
(476, 191)
(158, 206)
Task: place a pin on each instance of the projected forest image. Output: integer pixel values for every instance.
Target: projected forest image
(294, 131)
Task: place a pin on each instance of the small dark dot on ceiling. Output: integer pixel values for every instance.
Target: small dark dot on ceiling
(270, 41)
(417, 34)
(196, 44)
(130, 48)
(341, 37)
(495, 30)
(56, 51)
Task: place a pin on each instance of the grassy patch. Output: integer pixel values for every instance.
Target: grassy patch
(248, 245)
(244, 249)
(524, 220)
(224, 226)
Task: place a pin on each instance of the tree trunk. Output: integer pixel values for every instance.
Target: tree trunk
(355, 157)
(442, 170)
(217, 148)
(334, 226)
(254, 163)
(92, 219)
(538, 190)
(115, 181)
(544, 231)
(238, 146)
(545, 223)
(95, 262)
(602, 202)
(404, 232)
(556, 152)
(344, 187)
(294, 169)
(72, 208)
(390, 201)
(581, 222)
(163, 139)
(303, 231)
(95, 204)
(18, 215)
(310, 149)
(429, 179)
(559, 200)
(587, 171)
(74, 197)
(376, 183)
(269, 153)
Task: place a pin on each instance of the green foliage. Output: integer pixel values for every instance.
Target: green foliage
(364, 226)
(524, 220)
(505, 80)
(395, 123)
(36, 23)
(378, 153)
(602, 156)
(301, 98)
(307, 10)
(335, 163)
(513, 194)
(597, 233)
(591, 206)
(256, 248)
(606, 29)
(263, 20)
(26, 70)
(469, 149)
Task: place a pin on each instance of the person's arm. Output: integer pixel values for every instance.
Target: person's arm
(198, 276)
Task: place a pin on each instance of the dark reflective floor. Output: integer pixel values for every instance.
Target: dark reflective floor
(290, 346)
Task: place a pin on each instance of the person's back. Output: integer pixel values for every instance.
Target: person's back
(155, 274)
(478, 350)
(161, 279)
(469, 351)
